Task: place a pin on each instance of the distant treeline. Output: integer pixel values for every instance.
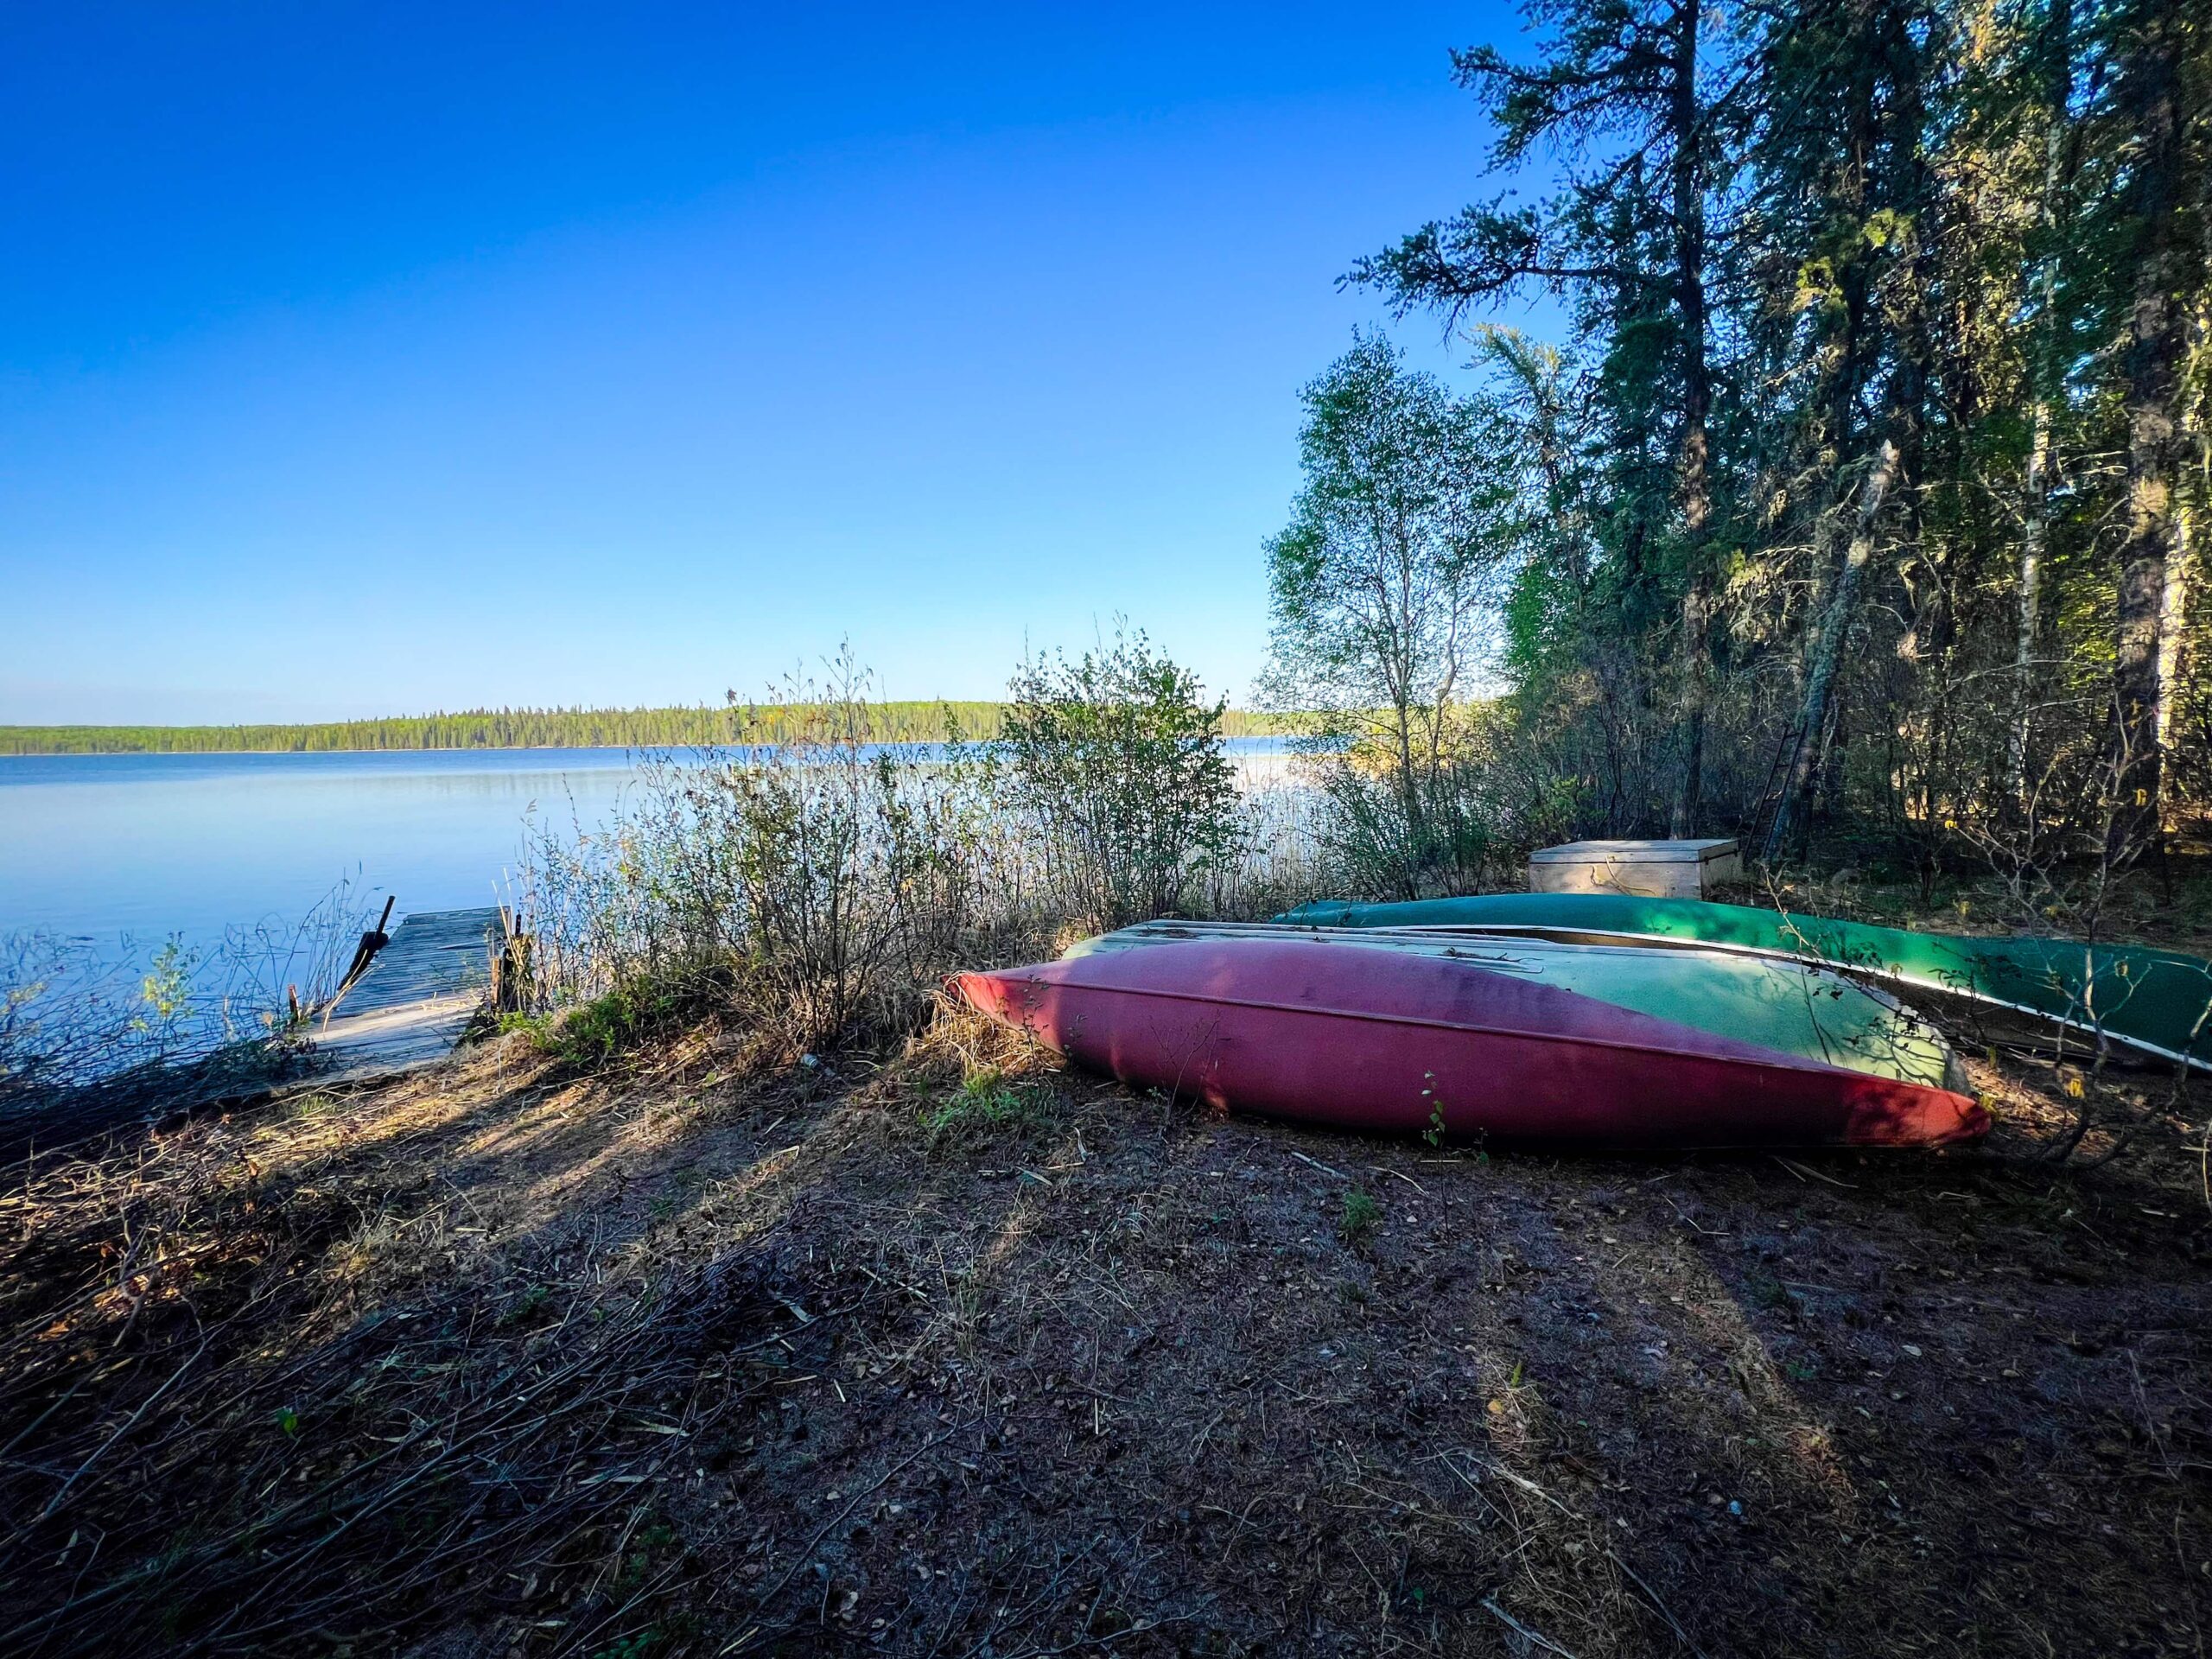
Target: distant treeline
(536, 728)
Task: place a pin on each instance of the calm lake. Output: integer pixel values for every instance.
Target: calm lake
(102, 846)
(106, 845)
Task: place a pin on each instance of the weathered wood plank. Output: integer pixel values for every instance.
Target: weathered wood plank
(418, 996)
(1655, 869)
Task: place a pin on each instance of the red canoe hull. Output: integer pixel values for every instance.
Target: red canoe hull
(1365, 1041)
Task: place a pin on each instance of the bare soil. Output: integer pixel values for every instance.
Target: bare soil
(953, 1353)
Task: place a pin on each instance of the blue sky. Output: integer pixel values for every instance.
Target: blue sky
(371, 360)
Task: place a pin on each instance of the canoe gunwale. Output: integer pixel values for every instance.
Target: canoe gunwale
(1774, 1058)
(2042, 1017)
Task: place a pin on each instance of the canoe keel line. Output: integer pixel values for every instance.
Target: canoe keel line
(1399, 1042)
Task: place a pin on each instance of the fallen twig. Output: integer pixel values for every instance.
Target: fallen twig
(1490, 1606)
(1657, 1605)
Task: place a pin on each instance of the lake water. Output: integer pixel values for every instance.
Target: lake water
(106, 845)
(102, 846)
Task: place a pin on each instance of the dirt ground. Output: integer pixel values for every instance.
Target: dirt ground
(952, 1353)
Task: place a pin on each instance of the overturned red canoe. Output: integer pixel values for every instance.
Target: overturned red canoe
(1375, 1040)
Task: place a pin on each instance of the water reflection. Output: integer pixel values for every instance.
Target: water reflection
(107, 845)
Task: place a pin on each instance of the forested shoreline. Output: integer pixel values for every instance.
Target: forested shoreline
(1862, 504)
(704, 725)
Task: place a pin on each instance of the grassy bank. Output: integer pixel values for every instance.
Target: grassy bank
(936, 1349)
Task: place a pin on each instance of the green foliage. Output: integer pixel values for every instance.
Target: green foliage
(1790, 242)
(602, 1029)
(1376, 583)
(985, 1104)
(1117, 757)
(527, 1307)
(1378, 587)
(1435, 1132)
(608, 1027)
(1358, 1217)
(535, 1026)
(165, 992)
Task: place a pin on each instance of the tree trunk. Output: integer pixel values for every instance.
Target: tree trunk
(2043, 368)
(2170, 630)
(2150, 98)
(1696, 470)
(1831, 422)
(1848, 348)
(1912, 192)
(2034, 534)
(1835, 626)
(1697, 668)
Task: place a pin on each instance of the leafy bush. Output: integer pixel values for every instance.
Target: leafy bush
(1115, 760)
(608, 1027)
(856, 869)
(1376, 848)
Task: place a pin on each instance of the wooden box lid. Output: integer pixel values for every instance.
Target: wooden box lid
(1635, 852)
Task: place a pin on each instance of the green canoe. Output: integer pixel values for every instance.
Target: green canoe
(1793, 1008)
(2156, 1001)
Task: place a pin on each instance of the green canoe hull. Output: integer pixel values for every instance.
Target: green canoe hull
(2154, 1001)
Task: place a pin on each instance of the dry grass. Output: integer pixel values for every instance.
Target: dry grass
(691, 1356)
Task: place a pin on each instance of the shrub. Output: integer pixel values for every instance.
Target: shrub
(611, 1025)
(851, 867)
(1375, 848)
(1115, 760)
(830, 878)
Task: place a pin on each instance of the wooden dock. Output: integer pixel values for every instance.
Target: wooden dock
(415, 999)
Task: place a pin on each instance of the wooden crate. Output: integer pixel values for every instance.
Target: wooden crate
(1650, 869)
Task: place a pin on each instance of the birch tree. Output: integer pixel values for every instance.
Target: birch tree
(1381, 585)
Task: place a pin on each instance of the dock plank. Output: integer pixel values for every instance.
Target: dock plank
(418, 996)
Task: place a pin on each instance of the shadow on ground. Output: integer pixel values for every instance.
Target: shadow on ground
(700, 1359)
